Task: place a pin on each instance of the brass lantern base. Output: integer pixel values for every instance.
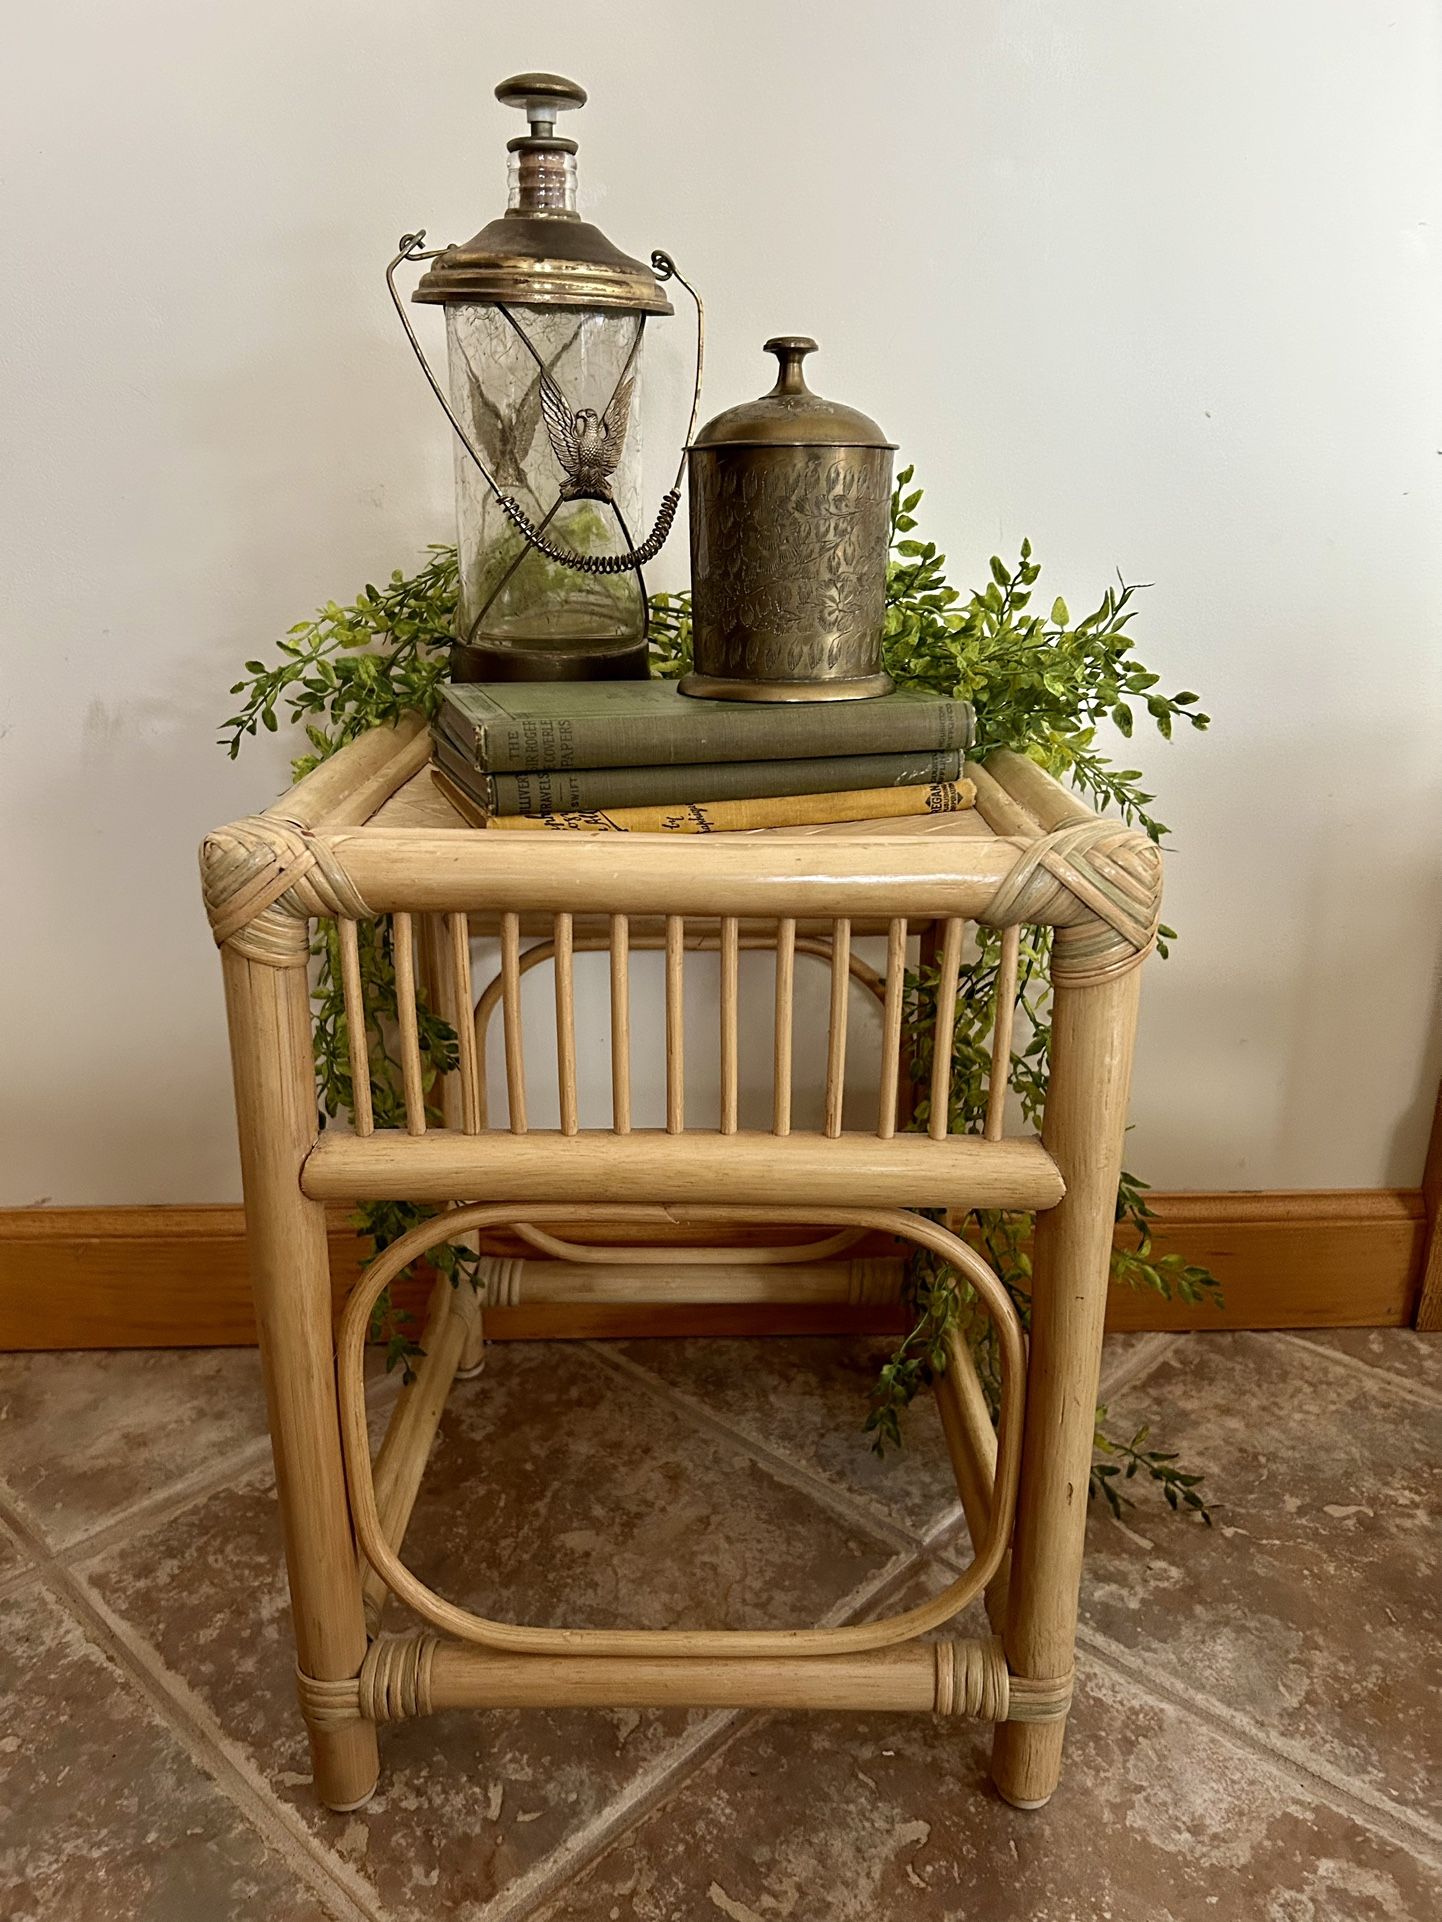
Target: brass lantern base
(482, 660)
(718, 687)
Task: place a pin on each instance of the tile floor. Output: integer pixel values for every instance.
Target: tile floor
(1258, 1730)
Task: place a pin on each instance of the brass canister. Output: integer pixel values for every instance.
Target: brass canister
(790, 525)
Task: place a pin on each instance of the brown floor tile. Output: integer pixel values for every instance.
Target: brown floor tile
(11, 1558)
(1314, 1607)
(1396, 1351)
(84, 1435)
(557, 1493)
(807, 1400)
(855, 1818)
(103, 1816)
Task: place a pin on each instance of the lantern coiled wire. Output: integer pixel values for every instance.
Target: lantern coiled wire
(596, 563)
(662, 265)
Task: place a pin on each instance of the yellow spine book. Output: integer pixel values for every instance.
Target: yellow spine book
(730, 817)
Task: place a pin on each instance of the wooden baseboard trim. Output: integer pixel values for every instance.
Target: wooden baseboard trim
(1429, 1290)
(1305, 1258)
(175, 1277)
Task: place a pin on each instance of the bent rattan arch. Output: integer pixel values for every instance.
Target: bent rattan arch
(598, 1255)
(518, 1638)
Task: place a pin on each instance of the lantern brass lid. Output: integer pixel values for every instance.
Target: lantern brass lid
(543, 261)
(790, 415)
(542, 257)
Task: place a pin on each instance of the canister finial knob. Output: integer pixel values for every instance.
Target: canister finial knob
(541, 96)
(790, 350)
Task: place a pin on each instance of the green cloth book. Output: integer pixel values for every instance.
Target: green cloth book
(520, 727)
(580, 790)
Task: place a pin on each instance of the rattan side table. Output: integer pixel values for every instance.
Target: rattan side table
(367, 835)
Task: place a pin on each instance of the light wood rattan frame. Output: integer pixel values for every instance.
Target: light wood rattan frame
(1047, 861)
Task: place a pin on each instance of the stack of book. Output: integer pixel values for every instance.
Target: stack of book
(617, 755)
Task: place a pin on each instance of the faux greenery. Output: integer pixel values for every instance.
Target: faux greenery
(1041, 683)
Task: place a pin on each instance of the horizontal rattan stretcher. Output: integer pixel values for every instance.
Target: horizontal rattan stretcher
(650, 1165)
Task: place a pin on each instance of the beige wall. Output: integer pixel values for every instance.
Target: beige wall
(1156, 283)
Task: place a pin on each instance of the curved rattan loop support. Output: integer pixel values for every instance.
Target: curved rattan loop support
(601, 1254)
(263, 879)
(1099, 884)
(468, 1627)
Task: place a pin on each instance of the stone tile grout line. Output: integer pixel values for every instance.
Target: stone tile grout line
(59, 1571)
(1141, 1362)
(669, 1775)
(848, 1507)
(1368, 1806)
(945, 1527)
(1384, 1378)
(343, 1893)
(1137, 1364)
(620, 1819)
(1378, 1816)
(1376, 1811)
(161, 1505)
(352, 1899)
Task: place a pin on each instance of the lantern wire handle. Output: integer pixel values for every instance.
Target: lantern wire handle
(412, 249)
(665, 268)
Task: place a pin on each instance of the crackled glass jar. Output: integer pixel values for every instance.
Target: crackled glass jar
(544, 327)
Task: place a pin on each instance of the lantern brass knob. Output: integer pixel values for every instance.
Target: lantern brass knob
(790, 350)
(541, 96)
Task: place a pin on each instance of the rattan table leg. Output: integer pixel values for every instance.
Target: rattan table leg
(269, 1014)
(1092, 1033)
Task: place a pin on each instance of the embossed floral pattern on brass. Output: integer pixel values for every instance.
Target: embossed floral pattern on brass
(784, 579)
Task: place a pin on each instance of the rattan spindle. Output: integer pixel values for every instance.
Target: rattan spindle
(565, 1025)
(403, 944)
(357, 1040)
(1003, 1022)
(511, 1021)
(437, 990)
(473, 1088)
(675, 1024)
(785, 994)
(620, 1024)
(730, 986)
(945, 1028)
(891, 1030)
(836, 1026)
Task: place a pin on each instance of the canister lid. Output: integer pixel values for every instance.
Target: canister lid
(791, 415)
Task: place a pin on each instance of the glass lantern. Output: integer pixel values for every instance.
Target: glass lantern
(544, 327)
